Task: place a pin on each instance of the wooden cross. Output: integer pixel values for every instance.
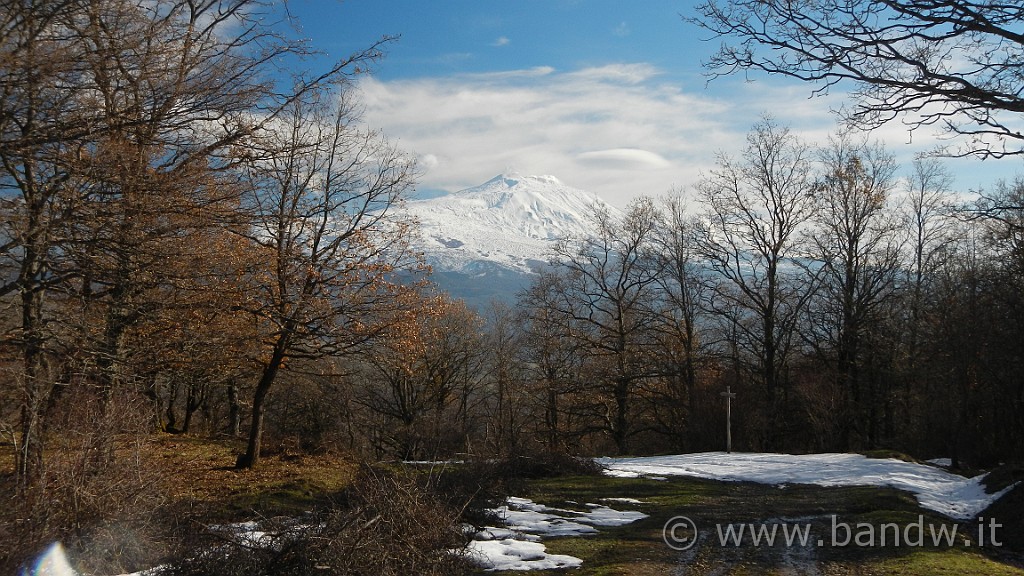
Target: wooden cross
(728, 395)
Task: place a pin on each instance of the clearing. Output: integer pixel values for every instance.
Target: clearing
(823, 514)
(838, 514)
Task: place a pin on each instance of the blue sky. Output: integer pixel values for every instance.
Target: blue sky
(608, 96)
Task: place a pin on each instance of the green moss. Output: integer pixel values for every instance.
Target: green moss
(638, 548)
(1003, 477)
(930, 562)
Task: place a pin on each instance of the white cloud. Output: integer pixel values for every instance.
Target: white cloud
(627, 158)
(619, 73)
(501, 41)
(612, 130)
(513, 74)
(427, 162)
(619, 130)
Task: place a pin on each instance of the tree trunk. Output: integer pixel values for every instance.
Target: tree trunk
(252, 450)
(170, 414)
(234, 411)
(551, 412)
(620, 429)
(37, 383)
(194, 399)
(37, 387)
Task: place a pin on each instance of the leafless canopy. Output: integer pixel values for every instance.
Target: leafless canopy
(953, 64)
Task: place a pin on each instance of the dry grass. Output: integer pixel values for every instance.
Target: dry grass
(202, 475)
(390, 526)
(125, 513)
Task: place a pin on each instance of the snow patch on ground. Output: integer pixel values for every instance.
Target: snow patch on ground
(936, 489)
(523, 515)
(604, 516)
(516, 546)
(511, 554)
(623, 500)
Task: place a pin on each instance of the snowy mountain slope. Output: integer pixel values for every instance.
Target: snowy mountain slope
(498, 232)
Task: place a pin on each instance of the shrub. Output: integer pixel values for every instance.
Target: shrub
(387, 525)
(93, 496)
(477, 485)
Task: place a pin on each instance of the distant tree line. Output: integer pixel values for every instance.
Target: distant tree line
(849, 310)
(946, 65)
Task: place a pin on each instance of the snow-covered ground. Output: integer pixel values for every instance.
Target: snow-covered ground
(936, 489)
(516, 546)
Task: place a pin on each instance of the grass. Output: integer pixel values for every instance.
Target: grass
(953, 561)
(282, 484)
(638, 548)
(199, 476)
(199, 471)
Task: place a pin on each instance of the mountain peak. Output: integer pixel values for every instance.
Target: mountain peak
(501, 230)
(511, 219)
(512, 179)
(539, 206)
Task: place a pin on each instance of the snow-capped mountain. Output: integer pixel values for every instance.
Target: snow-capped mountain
(491, 237)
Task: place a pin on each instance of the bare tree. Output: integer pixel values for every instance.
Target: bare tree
(1004, 205)
(1004, 235)
(954, 64)
(39, 124)
(609, 294)
(552, 352)
(107, 106)
(683, 290)
(509, 406)
(323, 196)
(756, 207)
(928, 213)
(422, 378)
(857, 245)
(943, 286)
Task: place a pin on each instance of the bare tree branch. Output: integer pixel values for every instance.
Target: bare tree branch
(954, 64)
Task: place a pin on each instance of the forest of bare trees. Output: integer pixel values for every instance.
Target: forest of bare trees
(180, 219)
(184, 234)
(848, 308)
(191, 243)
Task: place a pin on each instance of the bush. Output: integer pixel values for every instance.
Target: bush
(92, 496)
(387, 525)
(478, 485)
